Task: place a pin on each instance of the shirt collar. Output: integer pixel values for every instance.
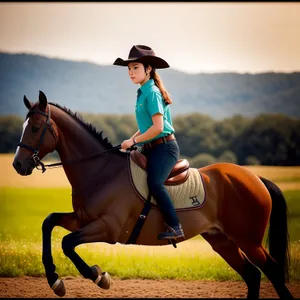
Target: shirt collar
(145, 87)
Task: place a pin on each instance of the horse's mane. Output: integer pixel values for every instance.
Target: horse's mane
(91, 128)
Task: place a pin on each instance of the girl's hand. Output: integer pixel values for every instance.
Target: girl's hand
(127, 144)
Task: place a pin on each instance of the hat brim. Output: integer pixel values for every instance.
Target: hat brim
(154, 61)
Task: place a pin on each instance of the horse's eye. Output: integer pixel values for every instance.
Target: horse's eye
(35, 129)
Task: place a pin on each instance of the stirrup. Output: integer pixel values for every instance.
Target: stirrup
(171, 233)
(173, 242)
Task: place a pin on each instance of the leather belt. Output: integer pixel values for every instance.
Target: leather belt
(160, 140)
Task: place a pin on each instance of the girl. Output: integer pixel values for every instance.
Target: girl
(155, 130)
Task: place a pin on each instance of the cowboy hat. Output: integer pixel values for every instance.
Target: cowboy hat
(142, 54)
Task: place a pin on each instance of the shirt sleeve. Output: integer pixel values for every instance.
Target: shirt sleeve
(155, 103)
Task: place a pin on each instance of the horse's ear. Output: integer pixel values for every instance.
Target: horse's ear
(43, 100)
(27, 103)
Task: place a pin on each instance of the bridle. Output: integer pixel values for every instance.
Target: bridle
(36, 150)
(35, 158)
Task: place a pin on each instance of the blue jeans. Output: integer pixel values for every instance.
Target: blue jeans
(161, 160)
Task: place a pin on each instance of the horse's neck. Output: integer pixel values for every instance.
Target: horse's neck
(76, 144)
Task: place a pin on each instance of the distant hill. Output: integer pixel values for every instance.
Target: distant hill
(92, 88)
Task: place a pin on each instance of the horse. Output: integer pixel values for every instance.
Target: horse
(239, 205)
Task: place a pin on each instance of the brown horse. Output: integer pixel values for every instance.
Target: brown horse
(239, 205)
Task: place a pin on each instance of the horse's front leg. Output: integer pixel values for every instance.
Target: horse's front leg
(96, 231)
(67, 221)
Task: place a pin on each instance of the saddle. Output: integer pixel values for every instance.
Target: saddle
(178, 175)
(184, 184)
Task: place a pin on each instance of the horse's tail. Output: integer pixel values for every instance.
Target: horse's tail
(278, 237)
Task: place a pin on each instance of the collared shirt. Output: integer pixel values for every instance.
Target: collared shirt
(150, 102)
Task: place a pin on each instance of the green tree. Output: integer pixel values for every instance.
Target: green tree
(10, 133)
(228, 156)
(202, 160)
(252, 161)
(271, 139)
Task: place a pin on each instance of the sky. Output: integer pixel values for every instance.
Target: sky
(194, 37)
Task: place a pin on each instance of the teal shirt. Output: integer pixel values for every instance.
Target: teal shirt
(150, 102)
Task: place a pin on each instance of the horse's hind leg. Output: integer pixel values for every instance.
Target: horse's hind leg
(261, 258)
(230, 252)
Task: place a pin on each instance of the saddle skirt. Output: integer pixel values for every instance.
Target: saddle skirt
(186, 193)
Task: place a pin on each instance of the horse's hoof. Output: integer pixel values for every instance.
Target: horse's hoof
(59, 288)
(105, 281)
(96, 270)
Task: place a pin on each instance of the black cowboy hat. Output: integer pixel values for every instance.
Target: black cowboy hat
(142, 54)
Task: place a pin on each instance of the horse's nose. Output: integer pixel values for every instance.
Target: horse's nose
(17, 165)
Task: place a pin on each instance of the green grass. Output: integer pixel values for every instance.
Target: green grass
(17, 259)
(286, 179)
(22, 212)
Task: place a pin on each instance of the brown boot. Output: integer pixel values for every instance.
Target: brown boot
(173, 233)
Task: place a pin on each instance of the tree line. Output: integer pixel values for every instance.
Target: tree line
(267, 139)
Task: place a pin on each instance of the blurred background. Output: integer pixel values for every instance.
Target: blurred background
(234, 74)
(235, 84)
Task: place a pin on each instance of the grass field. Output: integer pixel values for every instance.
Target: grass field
(26, 201)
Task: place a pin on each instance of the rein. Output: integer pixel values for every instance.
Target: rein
(37, 161)
(78, 160)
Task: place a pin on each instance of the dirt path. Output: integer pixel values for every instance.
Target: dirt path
(31, 287)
